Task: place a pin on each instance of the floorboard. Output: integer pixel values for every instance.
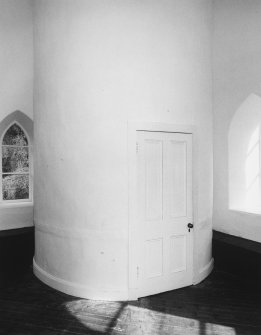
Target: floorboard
(221, 305)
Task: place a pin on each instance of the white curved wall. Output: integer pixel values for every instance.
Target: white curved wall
(98, 65)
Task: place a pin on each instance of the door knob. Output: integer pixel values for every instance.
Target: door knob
(190, 226)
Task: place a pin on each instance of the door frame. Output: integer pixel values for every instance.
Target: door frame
(133, 228)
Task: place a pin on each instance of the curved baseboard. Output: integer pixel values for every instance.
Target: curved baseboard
(204, 272)
(83, 291)
(78, 290)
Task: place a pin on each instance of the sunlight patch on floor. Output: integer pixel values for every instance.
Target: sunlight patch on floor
(212, 328)
(98, 316)
(118, 317)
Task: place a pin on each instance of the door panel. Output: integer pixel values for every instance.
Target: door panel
(164, 183)
(178, 253)
(177, 188)
(153, 159)
(154, 257)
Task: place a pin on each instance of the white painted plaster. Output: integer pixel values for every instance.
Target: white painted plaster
(237, 89)
(16, 61)
(98, 65)
(16, 85)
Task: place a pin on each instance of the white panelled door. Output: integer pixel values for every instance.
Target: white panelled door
(164, 184)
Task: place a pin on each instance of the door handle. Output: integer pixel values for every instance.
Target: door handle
(190, 226)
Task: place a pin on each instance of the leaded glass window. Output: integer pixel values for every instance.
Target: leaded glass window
(15, 164)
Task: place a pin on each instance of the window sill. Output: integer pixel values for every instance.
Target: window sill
(16, 204)
(251, 211)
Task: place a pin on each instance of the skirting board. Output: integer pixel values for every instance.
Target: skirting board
(78, 290)
(204, 272)
(95, 294)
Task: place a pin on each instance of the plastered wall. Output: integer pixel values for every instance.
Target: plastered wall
(16, 84)
(98, 65)
(236, 83)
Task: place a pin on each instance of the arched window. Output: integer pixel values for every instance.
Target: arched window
(16, 180)
(244, 150)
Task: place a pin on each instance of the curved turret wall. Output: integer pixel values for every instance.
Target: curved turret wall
(99, 65)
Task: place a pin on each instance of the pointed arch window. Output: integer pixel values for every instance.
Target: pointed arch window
(15, 165)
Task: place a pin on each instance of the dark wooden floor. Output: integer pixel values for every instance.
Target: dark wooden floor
(222, 304)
